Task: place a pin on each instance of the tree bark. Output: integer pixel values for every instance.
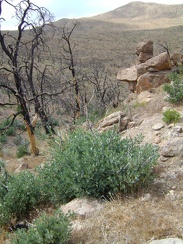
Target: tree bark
(32, 139)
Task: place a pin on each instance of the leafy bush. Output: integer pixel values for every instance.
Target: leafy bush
(3, 181)
(22, 150)
(175, 89)
(45, 230)
(22, 195)
(171, 116)
(96, 165)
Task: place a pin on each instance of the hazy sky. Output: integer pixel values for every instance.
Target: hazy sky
(73, 8)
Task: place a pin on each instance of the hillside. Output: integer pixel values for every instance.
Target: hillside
(145, 15)
(152, 212)
(111, 38)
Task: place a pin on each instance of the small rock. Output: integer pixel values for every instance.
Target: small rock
(171, 196)
(167, 241)
(176, 131)
(145, 198)
(157, 140)
(158, 126)
(163, 159)
(82, 206)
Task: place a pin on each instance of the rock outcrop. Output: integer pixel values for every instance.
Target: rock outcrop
(144, 51)
(149, 72)
(177, 59)
(117, 119)
(151, 80)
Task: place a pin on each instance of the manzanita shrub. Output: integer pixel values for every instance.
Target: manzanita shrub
(22, 194)
(46, 229)
(84, 164)
(96, 165)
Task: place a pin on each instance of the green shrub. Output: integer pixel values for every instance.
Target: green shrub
(3, 138)
(175, 89)
(45, 230)
(171, 116)
(3, 181)
(22, 195)
(96, 165)
(22, 150)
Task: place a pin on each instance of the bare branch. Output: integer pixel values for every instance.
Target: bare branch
(12, 120)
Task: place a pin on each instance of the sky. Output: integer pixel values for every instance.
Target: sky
(72, 8)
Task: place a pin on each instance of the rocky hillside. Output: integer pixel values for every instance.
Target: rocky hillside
(154, 213)
(110, 38)
(145, 15)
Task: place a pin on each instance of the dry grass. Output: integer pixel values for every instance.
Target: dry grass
(130, 221)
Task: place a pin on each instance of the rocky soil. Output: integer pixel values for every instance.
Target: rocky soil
(155, 214)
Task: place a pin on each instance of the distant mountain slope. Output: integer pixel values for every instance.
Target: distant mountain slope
(145, 15)
(146, 10)
(111, 38)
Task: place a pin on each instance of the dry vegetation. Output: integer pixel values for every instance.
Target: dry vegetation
(112, 37)
(130, 221)
(105, 39)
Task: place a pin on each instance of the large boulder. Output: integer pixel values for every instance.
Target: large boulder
(142, 76)
(118, 119)
(144, 51)
(159, 62)
(151, 80)
(133, 73)
(174, 147)
(145, 47)
(128, 74)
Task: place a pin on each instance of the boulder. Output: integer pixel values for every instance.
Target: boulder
(82, 206)
(174, 147)
(160, 62)
(133, 73)
(143, 57)
(177, 59)
(129, 74)
(149, 72)
(158, 126)
(111, 119)
(145, 47)
(167, 241)
(144, 51)
(117, 118)
(151, 80)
